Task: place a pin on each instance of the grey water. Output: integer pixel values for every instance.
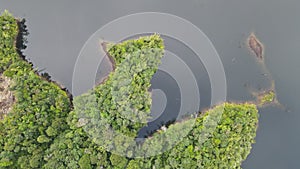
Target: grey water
(59, 29)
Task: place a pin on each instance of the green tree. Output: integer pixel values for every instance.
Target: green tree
(118, 162)
(44, 131)
(85, 162)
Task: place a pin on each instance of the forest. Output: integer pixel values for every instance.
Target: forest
(47, 128)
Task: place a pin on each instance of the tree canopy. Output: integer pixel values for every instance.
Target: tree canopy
(47, 129)
(40, 106)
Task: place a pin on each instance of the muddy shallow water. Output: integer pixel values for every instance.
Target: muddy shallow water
(58, 30)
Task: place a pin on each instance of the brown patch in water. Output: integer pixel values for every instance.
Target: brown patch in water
(6, 96)
(256, 46)
(111, 59)
(103, 44)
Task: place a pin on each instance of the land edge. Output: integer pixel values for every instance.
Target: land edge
(19, 45)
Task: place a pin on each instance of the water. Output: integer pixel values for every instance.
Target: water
(59, 30)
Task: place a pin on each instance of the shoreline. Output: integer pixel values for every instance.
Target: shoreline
(19, 44)
(203, 112)
(111, 60)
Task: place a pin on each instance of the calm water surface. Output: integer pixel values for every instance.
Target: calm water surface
(58, 30)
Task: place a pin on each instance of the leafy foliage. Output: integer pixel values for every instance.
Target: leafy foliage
(267, 98)
(44, 131)
(226, 146)
(99, 110)
(124, 98)
(40, 106)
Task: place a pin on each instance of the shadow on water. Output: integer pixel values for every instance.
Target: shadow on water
(21, 45)
(21, 39)
(163, 81)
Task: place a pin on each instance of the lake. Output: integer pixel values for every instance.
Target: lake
(58, 30)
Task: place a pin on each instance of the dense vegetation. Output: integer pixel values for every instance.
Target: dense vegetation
(43, 130)
(38, 116)
(220, 138)
(124, 99)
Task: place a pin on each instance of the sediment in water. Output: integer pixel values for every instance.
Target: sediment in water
(256, 47)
